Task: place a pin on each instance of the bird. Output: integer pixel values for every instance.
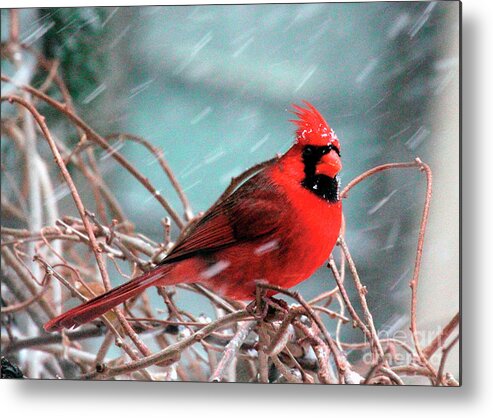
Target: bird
(277, 227)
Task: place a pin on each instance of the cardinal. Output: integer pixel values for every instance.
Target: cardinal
(278, 227)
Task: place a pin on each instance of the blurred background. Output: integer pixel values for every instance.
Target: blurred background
(213, 85)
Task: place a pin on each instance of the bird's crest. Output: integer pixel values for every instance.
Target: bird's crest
(312, 127)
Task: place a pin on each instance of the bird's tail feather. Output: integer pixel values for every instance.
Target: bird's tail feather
(101, 304)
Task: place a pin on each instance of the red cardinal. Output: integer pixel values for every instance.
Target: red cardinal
(278, 227)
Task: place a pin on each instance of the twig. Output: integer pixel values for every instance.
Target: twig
(375, 170)
(159, 154)
(362, 297)
(68, 179)
(440, 339)
(173, 352)
(93, 135)
(103, 350)
(263, 358)
(47, 339)
(231, 350)
(445, 353)
(357, 320)
(417, 264)
(309, 310)
(14, 26)
(289, 375)
(23, 305)
(82, 211)
(11, 282)
(321, 352)
(25, 277)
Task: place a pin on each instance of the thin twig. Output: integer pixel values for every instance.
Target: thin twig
(362, 297)
(440, 339)
(93, 135)
(231, 350)
(173, 352)
(445, 353)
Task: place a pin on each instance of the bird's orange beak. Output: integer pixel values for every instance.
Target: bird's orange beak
(330, 164)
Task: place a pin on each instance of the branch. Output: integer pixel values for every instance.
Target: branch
(172, 353)
(93, 135)
(440, 339)
(231, 350)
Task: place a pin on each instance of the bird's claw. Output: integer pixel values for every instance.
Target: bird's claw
(269, 310)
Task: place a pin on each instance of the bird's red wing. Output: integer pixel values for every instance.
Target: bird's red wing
(252, 212)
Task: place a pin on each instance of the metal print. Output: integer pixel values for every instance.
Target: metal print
(260, 193)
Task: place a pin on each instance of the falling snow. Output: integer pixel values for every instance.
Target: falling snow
(267, 247)
(309, 73)
(259, 143)
(418, 25)
(417, 138)
(201, 115)
(94, 94)
(212, 89)
(215, 269)
(381, 203)
(367, 70)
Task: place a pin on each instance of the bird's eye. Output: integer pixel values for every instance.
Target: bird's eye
(308, 150)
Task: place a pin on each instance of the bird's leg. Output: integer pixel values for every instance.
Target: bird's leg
(266, 308)
(277, 304)
(256, 307)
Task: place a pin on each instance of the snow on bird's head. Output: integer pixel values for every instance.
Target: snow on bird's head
(312, 127)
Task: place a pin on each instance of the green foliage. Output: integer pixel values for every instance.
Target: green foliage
(76, 39)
